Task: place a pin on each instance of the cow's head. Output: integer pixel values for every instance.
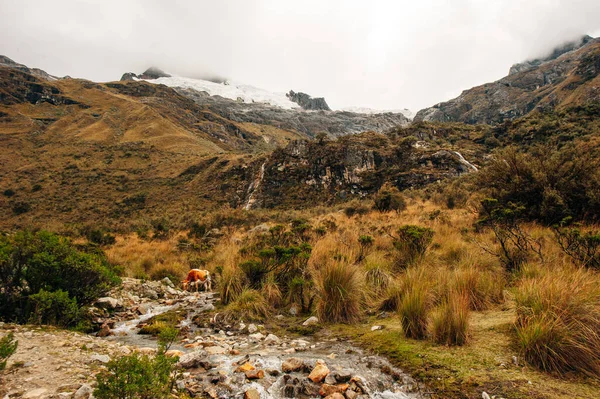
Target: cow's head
(185, 284)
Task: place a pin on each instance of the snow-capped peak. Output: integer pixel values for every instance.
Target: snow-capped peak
(229, 89)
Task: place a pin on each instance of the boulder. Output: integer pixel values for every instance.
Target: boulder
(167, 281)
(375, 328)
(192, 359)
(100, 358)
(252, 328)
(256, 337)
(255, 374)
(292, 364)
(107, 303)
(319, 373)
(215, 350)
(272, 339)
(311, 321)
(327, 390)
(84, 392)
(251, 394)
(35, 393)
(244, 367)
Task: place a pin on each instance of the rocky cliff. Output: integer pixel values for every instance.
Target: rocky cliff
(568, 77)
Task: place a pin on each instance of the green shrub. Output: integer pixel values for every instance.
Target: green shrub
(450, 322)
(582, 246)
(389, 198)
(31, 262)
(137, 376)
(8, 346)
(256, 271)
(339, 293)
(356, 208)
(413, 241)
(55, 308)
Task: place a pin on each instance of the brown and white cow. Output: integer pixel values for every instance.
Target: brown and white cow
(196, 277)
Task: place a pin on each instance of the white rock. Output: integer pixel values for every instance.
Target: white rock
(215, 350)
(290, 350)
(272, 339)
(484, 395)
(311, 321)
(375, 328)
(84, 392)
(107, 302)
(100, 358)
(256, 337)
(252, 328)
(35, 393)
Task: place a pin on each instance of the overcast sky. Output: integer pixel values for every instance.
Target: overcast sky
(379, 54)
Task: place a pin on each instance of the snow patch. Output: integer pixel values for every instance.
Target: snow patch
(229, 89)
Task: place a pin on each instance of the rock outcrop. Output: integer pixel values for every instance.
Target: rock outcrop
(307, 102)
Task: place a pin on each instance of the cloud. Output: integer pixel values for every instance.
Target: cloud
(381, 54)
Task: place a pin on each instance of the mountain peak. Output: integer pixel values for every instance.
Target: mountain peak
(554, 54)
(307, 102)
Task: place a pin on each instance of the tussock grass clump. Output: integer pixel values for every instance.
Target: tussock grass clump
(271, 291)
(482, 288)
(339, 293)
(415, 304)
(249, 305)
(231, 284)
(392, 297)
(450, 322)
(413, 241)
(558, 321)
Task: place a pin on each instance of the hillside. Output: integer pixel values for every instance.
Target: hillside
(567, 78)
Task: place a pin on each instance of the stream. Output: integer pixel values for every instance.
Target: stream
(223, 351)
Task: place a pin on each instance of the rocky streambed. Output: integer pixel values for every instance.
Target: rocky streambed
(216, 360)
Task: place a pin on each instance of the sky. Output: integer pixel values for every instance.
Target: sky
(377, 54)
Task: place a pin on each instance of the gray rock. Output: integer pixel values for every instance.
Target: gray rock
(84, 392)
(100, 358)
(107, 302)
(192, 359)
(272, 339)
(256, 337)
(35, 393)
(252, 328)
(311, 321)
(293, 310)
(167, 281)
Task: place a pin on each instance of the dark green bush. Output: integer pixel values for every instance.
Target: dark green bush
(31, 262)
(54, 308)
(413, 241)
(549, 183)
(582, 246)
(8, 346)
(389, 198)
(137, 376)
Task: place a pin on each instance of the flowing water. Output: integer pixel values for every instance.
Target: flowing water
(338, 355)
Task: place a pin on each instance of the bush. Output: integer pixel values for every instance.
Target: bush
(558, 321)
(582, 246)
(137, 376)
(31, 262)
(55, 308)
(450, 322)
(249, 305)
(389, 198)
(8, 346)
(339, 293)
(355, 207)
(271, 292)
(413, 241)
(546, 181)
(255, 271)
(506, 224)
